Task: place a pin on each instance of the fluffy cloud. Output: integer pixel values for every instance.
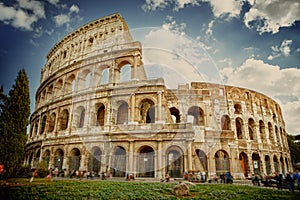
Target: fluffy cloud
(280, 84)
(151, 5)
(231, 8)
(284, 49)
(63, 19)
(269, 16)
(54, 2)
(23, 14)
(74, 9)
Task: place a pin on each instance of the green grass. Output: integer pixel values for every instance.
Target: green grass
(74, 189)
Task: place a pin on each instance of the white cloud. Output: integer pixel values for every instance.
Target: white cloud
(54, 2)
(269, 16)
(231, 8)
(23, 14)
(61, 19)
(284, 49)
(209, 30)
(152, 5)
(74, 8)
(281, 84)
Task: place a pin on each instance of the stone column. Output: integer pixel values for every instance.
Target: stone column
(159, 106)
(130, 158)
(159, 160)
(132, 108)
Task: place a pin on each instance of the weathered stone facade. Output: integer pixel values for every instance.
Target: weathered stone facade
(87, 117)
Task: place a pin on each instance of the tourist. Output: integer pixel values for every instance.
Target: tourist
(186, 176)
(167, 177)
(198, 176)
(279, 179)
(228, 178)
(1, 171)
(297, 178)
(203, 176)
(290, 181)
(34, 174)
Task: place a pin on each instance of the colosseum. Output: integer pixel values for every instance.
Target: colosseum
(88, 118)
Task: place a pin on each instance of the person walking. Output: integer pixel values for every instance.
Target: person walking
(290, 181)
(297, 178)
(34, 174)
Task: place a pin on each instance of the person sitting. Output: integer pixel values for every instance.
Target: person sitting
(167, 177)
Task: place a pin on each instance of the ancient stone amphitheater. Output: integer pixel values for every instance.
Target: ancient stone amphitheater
(88, 117)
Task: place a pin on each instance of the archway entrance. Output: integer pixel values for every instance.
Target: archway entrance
(74, 159)
(256, 163)
(175, 165)
(243, 158)
(146, 162)
(222, 162)
(58, 159)
(119, 162)
(95, 160)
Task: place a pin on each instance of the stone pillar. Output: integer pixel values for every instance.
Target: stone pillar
(132, 108)
(190, 158)
(159, 106)
(130, 162)
(159, 160)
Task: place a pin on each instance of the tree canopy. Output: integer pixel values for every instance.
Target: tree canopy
(14, 119)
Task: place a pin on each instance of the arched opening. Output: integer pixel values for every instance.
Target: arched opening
(146, 162)
(46, 157)
(70, 84)
(282, 165)
(256, 163)
(225, 122)
(268, 164)
(50, 92)
(262, 129)
(51, 122)
(287, 164)
(43, 124)
(251, 128)
(243, 158)
(74, 159)
(237, 108)
(196, 115)
(122, 115)
(125, 73)
(175, 115)
(105, 76)
(94, 163)
(271, 133)
(119, 162)
(37, 158)
(203, 159)
(276, 164)
(175, 162)
(239, 128)
(58, 159)
(79, 117)
(30, 159)
(147, 111)
(64, 119)
(222, 162)
(88, 80)
(100, 115)
(58, 88)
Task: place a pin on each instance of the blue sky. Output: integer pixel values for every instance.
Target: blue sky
(253, 43)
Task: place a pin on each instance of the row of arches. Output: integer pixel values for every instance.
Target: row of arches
(147, 113)
(86, 79)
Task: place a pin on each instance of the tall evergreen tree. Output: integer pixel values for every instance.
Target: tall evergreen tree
(15, 111)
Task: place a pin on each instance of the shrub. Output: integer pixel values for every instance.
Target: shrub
(42, 169)
(23, 171)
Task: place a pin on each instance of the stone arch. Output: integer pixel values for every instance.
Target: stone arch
(58, 158)
(237, 108)
(244, 163)
(175, 161)
(30, 159)
(222, 162)
(118, 165)
(147, 111)
(175, 114)
(122, 113)
(271, 133)
(146, 161)
(268, 164)
(79, 117)
(58, 87)
(100, 117)
(51, 122)
(262, 129)
(251, 128)
(74, 159)
(239, 128)
(282, 165)
(46, 157)
(70, 84)
(94, 163)
(43, 124)
(125, 72)
(84, 79)
(225, 122)
(50, 91)
(276, 164)
(196, 115)
(64, 119)
(201, 155)
(37, 158)
(104, 76)
(256, 163)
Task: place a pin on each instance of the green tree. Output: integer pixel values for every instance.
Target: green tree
(15, 111)
(294, 149)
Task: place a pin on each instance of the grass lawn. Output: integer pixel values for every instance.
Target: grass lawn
(96, 189)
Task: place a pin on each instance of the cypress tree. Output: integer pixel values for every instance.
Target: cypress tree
(15, 111)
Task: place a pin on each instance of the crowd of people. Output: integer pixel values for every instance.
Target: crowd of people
(279, 180)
